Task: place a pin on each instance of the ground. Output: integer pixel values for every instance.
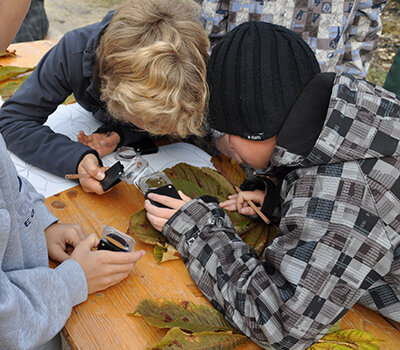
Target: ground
(65, 15)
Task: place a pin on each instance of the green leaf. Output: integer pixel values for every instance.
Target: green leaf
(8, 72)
(166, 253)
(335, 327)
(214, 184)
(176, 339)
(10, 87)
(166, 313)
(347, 339)
(140, 227)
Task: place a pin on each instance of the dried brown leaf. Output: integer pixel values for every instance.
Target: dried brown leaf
(229, 168)
(176, 339)
(167, 313)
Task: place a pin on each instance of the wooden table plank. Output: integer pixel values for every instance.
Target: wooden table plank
(360, 317)
(105, 314)
(27, 54)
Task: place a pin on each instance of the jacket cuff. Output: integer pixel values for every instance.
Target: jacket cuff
(183, 228)
(75, 280)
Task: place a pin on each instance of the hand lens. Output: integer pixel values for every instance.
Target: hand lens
(115, 240)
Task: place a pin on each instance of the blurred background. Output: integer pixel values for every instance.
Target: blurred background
(65, 15)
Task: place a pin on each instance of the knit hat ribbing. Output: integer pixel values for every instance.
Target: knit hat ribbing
(255, 74)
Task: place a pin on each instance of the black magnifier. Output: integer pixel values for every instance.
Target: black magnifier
(115, 241)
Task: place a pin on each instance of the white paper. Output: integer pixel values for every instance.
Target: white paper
(68, 120)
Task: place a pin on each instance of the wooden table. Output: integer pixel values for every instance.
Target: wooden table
(102, 322)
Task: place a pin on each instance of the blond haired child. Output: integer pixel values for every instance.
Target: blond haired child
(142, 68)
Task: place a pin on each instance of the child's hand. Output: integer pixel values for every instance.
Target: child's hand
(62, 239)
(90, 165)
(103, 268)
(237, 202)
(157, 216)
(103, 143)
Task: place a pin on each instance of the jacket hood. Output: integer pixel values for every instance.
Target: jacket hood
(362, 122)
(89, 54)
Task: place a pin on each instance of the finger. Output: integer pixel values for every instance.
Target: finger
(170, 202)
(157, 222)
(184, 196)
(90, 165)
(227, 203)
(59, 254)
(157, 211)
(91, 185)
(233, 196)
(80, 231)
(120, 258)
(231, 207)
(90, 242)
(249, 211)
(73, 236)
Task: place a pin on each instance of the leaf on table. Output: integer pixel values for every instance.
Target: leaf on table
(165, 253)
(347, 339)
(211, 184)
(176, 339)
(256, 236)
(10, 87)
(8, 53)
(141, 228)
(167, 313)
(8, 72)
(70, 99)
(229, 168)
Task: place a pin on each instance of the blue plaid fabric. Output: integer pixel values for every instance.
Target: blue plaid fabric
(339, 234)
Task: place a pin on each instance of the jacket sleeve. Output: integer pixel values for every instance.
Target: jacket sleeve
(35, 300)
(363, 35)
(310, 276)
(22, 116)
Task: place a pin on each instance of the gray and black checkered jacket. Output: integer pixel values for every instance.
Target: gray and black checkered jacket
(339, 232)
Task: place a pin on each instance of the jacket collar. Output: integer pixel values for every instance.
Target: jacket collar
(89, 55)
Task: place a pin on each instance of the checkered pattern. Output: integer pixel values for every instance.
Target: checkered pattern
(343, 34)
(338, 241)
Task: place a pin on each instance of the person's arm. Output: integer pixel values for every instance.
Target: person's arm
(12, 12)
(363, 34)
(309, 277)
(36, 301)
(22, 116)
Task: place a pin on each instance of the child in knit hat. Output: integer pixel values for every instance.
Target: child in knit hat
(330, 143)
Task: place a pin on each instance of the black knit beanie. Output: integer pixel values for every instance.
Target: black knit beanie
(255, 74)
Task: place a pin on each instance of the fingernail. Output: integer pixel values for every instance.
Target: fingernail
(100, 176)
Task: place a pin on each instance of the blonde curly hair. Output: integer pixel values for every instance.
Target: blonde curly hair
(152, 64)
